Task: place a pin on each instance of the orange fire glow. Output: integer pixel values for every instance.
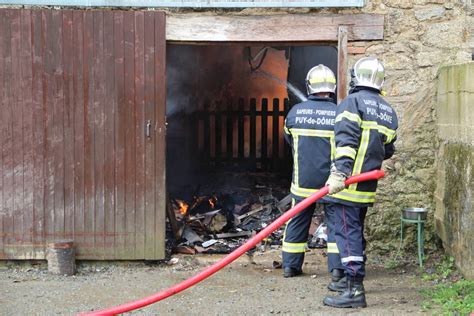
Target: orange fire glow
(183, 206)
(212, 201)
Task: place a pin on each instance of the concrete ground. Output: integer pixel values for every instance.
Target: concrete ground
(249, 286)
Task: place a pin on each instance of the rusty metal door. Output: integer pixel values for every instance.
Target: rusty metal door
(82, 104)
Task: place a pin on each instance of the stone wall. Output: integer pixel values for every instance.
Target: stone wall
(454, 216)
(420, 37)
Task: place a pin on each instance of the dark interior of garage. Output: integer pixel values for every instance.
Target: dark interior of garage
(225, 111)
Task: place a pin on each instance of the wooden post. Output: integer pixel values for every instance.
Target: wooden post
(342, 63)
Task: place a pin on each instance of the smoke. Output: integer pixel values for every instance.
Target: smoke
(296, 92)
(181, 61)
(198, 75)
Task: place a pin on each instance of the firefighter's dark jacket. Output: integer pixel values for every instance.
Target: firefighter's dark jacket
(365, 131)
(309, 129)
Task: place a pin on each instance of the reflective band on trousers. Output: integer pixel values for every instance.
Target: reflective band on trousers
(294, 247)
(352, 258)
(332, 247)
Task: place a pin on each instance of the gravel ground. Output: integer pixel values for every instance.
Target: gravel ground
(249, 286)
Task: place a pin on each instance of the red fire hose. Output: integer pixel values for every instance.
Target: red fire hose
(372, 175)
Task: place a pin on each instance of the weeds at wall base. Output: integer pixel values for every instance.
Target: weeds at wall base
(446, 291)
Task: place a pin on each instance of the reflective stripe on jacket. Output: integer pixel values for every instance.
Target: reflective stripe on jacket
(309, 131)
(365, 131)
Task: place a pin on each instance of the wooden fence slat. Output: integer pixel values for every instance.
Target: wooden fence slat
(264, 140)
(207, 131)
(253, 131)
(218, 134)
(229, 133)
(276, 133)
(241, 128)
(110, 106)
(283, 145)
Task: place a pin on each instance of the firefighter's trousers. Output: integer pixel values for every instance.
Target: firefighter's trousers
(334, 259)
(349, 223)
(296, 237)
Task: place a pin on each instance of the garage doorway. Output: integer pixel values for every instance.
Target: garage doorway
(226, 106)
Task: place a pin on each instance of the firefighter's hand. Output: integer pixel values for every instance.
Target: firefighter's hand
(336, 182)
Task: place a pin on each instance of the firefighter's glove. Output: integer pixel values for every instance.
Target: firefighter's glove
(336, 182)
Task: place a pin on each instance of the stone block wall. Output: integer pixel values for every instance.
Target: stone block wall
(454, 216)
(420, 37)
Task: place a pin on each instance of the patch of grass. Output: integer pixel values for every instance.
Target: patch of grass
(454, 298)
(450, 294)
(440, 271)
(392, 263)
(395, 260)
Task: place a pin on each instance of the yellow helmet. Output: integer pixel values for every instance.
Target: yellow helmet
(320, 79)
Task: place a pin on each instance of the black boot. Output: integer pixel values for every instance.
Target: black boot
(291, 272)
(338, 281)
(353, 296)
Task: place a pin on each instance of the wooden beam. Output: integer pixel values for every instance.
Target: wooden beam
(342, 63)
(272, 28)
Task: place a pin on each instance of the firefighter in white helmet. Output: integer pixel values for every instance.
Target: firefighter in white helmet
(365, 132)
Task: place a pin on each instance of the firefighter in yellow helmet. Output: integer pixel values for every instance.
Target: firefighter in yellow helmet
(309, 131)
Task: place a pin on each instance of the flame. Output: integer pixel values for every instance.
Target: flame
(212, 201)
(183, 206)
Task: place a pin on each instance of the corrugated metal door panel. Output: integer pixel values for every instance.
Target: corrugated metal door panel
(82, 132)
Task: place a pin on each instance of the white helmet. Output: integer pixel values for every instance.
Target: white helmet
(369, 72)
(320, 79)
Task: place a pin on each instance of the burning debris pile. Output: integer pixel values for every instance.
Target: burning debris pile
(219, 223)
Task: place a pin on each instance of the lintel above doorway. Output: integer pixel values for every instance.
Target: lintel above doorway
(272, 28)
